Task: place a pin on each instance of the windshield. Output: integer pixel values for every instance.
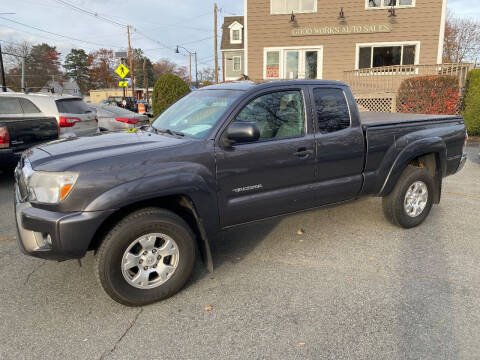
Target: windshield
(195, 114)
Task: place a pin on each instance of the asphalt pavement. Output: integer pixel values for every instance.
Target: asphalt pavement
(352, 286)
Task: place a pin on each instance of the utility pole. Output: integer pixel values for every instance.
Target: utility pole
(23, 74)
(215, 40)
(145, 80)
(4, 83)
(130, 62)
(196, 71)
(190, 69)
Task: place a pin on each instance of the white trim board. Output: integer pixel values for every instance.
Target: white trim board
(380, 44)
(245, 37)
(441, 36)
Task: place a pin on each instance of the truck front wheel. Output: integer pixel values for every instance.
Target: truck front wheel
(411, 199)
(148, 256)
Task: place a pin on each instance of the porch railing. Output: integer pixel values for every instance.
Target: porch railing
(389, 78)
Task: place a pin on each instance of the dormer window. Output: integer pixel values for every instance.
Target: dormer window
(236, 32)
(236, 35)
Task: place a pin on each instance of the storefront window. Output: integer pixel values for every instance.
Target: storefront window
(376, 56)
(292, 64)
(297, 6)
(311, 64)
(273, 64)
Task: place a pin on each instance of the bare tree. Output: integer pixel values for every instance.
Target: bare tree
(14, 53)
(462, 40)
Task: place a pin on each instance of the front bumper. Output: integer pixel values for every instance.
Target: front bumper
(53, 235)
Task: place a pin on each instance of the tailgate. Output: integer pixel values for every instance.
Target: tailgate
(27, 132)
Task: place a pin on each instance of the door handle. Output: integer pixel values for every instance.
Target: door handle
(303, 152)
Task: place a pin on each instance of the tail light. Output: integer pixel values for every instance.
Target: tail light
(127, 120)
(4, 137)
(66, 121)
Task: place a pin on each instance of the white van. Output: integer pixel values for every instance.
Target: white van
(74, 116)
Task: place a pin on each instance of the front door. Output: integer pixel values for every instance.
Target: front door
(303, 64)
(273, 175)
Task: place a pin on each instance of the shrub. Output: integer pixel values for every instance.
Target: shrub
(168, 89)
(437, 94)
(471, 103)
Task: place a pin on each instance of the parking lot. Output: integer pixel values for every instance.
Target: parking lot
(352, 286)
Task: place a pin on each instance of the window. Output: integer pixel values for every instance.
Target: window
(237, 63)
(386, 55)
(196, 113)
(278, 115)
(28, 107)
(292, 62)
(235, 34)
(273, 65)
(10, 105)
(72, 106)
(331, 109)
(382, 4)
(297, 6)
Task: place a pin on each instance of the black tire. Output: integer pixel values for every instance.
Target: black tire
(393, 203)
(124, 233)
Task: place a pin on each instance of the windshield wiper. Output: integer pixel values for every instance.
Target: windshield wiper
(168, 131)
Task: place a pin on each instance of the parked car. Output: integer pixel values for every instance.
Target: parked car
(223, 156)
(73, 115)
(22, 125)
(126, 102)
(117, 118)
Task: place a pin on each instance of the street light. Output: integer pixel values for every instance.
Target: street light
(190, 53)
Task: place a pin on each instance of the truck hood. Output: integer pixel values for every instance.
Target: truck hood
(60, 155)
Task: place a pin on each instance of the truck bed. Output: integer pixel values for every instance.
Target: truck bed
(370, 119)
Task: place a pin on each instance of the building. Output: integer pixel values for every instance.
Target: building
(321, 39)
(232, 49)
(372, 45)
(67, 87)
(100, 95)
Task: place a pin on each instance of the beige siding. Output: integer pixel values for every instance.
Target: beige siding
(421, 23)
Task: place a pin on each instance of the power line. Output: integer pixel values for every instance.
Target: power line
(90, 13)
(63, 36)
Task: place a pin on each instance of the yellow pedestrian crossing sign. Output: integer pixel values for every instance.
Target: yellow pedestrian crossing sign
(122, 70)
(123, 83)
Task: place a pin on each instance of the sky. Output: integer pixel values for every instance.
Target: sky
(159, 25)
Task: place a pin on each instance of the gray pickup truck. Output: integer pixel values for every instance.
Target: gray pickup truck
(147, 201)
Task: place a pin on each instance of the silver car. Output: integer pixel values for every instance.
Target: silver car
(73, 115)
(117, 118)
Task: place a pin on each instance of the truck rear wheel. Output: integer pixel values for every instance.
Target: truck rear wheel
(411, 199)
(148, 256)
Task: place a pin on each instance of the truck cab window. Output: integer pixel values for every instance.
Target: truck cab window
(331, 109)
(10, 106)
(28, 107)
(277, 115)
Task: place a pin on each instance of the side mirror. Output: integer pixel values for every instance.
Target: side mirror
(241, 132)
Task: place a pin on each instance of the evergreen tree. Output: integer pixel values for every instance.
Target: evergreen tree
(76, 66)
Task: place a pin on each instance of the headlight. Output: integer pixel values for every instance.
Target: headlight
(50, 187)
